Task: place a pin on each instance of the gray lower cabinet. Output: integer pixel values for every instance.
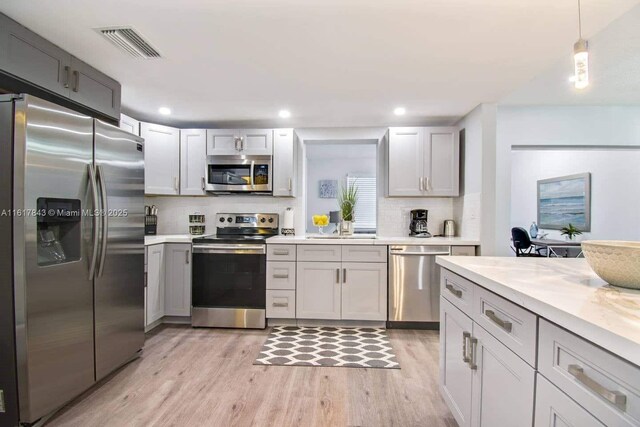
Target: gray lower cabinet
(26, 55)
(364, 291)
(556, 409)
(177, 299)
(155, 283)
(318, 290)
(161, 159)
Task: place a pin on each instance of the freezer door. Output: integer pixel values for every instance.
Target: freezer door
(119, 283)
(53, 248)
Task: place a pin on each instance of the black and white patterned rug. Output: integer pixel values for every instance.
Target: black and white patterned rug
(328, 346)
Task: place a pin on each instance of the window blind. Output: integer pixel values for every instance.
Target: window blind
(365, 213)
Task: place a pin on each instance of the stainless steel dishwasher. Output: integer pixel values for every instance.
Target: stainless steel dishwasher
(414, 286)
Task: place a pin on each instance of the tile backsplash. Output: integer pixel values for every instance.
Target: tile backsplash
(393, 212)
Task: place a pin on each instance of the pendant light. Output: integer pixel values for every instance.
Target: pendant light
(580, 57)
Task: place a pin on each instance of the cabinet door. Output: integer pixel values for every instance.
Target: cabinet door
(405, 162)
(283, 162)
(442, 162)
(455, 373)
(257, 141)
(503, 384)
(28, 56)
(177, 280)
(223, 141)
(556, 409)
(129, 124)
(193, 161)
(318, 290)
(155, 283)
(94, 89)
(364, 291)
(161, 159)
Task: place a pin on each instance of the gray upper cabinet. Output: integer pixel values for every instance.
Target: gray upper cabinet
(129, 124)
(29, 57)
(256, 141)
(423, 162)
(193, 162)
(94, 89)
(283, 163)
(223, 141)
(161, 159)
(239, 141)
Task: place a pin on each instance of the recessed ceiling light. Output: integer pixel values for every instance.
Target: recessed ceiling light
(285, 114)
(399, 111)
(165, 111)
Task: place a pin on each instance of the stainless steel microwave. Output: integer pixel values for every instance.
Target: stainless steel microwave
(239, 174)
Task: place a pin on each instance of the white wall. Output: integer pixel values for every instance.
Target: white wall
(615, 187)
(540, 126)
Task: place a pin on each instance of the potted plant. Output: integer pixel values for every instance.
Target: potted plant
(570, 231)
(347, 200)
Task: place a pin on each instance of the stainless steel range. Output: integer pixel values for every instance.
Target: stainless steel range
(229, 272)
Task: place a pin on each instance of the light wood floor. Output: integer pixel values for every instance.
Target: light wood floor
(206, 377)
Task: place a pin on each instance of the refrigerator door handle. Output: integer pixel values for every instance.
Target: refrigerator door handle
(105, 219)
(94, 197)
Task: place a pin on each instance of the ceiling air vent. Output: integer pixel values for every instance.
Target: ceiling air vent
(130, 41)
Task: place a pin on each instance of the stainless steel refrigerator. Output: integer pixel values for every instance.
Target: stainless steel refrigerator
(71, 254)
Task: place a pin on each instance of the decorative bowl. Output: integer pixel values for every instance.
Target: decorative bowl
(617, 262)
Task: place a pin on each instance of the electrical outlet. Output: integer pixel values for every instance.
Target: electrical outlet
(2, 408)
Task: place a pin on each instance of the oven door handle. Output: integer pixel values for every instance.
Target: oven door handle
(230, 249)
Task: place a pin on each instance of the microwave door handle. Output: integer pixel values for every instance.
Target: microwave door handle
(253, 165)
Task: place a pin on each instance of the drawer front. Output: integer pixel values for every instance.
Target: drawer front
(319, 253)
(281, 304)
(514, 326)
(281, 252)
(457, 290)
(463, 250)
(605, 384)
(364, 253)
(556, 409)
(281, 275)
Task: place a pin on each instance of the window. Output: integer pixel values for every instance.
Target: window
(365, 218)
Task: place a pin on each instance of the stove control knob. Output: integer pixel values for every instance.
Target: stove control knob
(262, 220)
(221, 219)
(270, 220)
(229, 219)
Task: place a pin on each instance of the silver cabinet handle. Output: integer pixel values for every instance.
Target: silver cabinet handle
(175, 183)
(187, 255)
(504, 324)
(94, 196)
(290, 184)
(337, 275)
(472, 360)
(67, 71)
(281, 276)
(280, 304)
(344, 275)
(427, 183)
(421, 183)
(236, 140)
(613, 396)
(242, 143)
(203, 183)
(105, 218)
(76, 80)
(466, 336)
(281, 252)
(454, 291)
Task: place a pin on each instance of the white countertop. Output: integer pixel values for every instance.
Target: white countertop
(378, 240)
(566, 292)
(168, 238)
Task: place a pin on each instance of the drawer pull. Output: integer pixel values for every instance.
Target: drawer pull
(281, 304)
(504, 324)
(281, 252)
(613, 396)
(281, 276)
(454, 291)
(466, 336)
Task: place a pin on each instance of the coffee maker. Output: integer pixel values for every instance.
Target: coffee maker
(418, 224)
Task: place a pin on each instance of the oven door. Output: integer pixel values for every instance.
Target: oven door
(229, 285)
(239, 174)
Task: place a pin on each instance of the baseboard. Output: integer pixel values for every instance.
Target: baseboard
(172, 320)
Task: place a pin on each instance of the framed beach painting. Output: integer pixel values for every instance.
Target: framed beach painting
(565, 200)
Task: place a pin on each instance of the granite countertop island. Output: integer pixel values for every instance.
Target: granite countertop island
(564, 291)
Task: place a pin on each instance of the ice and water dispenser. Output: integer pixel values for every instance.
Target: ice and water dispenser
(59, 230)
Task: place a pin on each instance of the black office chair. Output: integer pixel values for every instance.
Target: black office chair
(522, 243)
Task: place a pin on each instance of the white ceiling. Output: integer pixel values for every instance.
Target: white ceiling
(614, 71)
(331, 62)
